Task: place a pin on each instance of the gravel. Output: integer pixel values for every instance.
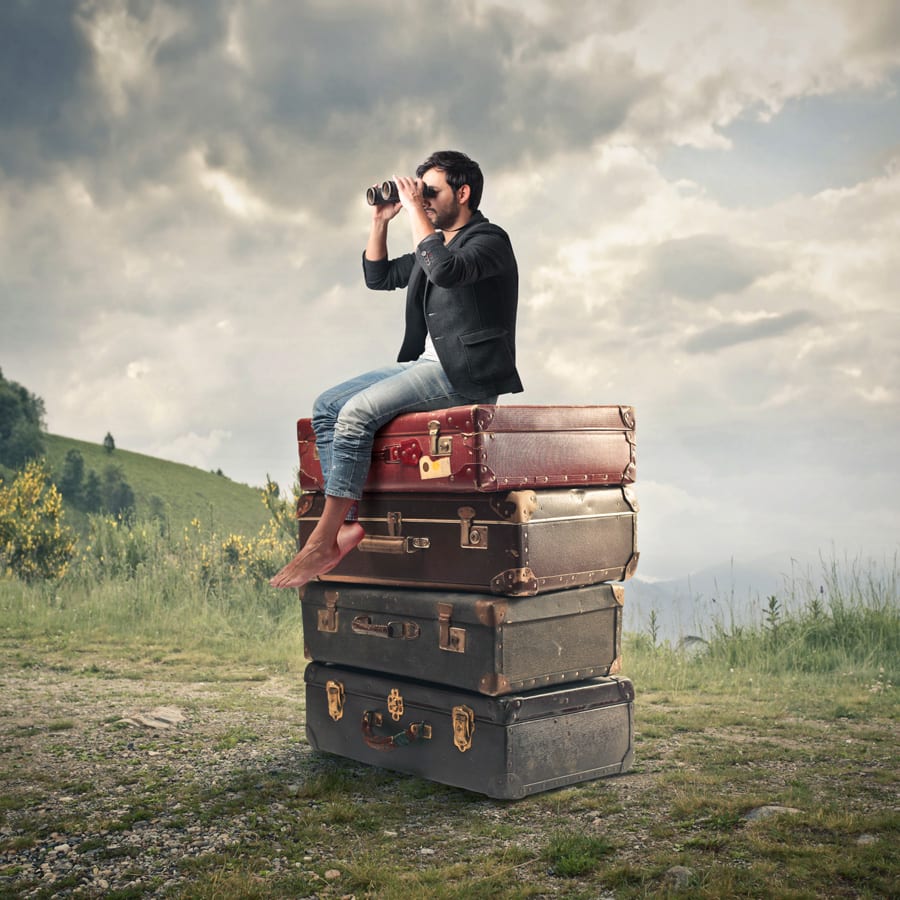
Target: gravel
(113, 784)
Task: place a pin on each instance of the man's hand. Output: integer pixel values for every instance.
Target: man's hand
(410, 192)
(384, 212)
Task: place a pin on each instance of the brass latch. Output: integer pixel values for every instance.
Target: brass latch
(438, 446)
(450, 637)
(334, 691)
(463, 727)
(328, 618)
(395, 705)
(471, 537)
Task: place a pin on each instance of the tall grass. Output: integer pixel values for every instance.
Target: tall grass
(137, 589)
(844, 622)
(134, 590)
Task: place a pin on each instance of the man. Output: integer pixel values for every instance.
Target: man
(458, 348)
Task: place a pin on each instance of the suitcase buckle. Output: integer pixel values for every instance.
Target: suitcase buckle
(463, 727)
(450, 637)
(471, 537)
(334, 691)
(438, 446)
(327, 619)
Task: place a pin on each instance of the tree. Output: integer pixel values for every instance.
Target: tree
(108, 443)
(71, 482)
(21, 424)
(92, 500)
(118, 497)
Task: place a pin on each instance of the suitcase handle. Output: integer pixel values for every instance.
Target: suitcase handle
(405, 631)
(417, 731)
(382, 543)
(406, 453)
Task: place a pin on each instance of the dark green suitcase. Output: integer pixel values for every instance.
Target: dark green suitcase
(479, 642)
(504, 747)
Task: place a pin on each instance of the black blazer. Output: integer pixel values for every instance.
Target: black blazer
(469, 292)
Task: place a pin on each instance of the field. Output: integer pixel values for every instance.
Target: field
(152, 744)
(181, 493)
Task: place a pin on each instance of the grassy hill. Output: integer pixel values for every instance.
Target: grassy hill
(182, 492)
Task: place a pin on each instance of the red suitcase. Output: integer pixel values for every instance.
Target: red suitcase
(493, 448)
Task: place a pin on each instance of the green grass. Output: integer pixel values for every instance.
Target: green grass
(185, 493)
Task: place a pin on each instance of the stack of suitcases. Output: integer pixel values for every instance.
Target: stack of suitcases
(474, 636)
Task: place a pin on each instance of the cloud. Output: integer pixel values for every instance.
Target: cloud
(730, 333)
(703, 266)
(167, 168)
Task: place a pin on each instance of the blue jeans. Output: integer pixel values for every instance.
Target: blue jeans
(346, 417)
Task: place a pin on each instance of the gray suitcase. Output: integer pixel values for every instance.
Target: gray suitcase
(478, 642)
(504, 747)
(515, 543)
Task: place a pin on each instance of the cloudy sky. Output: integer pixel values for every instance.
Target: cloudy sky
(704, 200)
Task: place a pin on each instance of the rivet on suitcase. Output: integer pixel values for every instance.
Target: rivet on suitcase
(482, 643)
(504, 747)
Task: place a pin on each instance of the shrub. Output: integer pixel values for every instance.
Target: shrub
(34, 542)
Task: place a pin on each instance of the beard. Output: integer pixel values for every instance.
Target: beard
(445, 218)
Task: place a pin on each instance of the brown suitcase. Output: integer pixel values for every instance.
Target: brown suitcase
(482, 643)
(514, 543)
(492, 448)
(505, 747)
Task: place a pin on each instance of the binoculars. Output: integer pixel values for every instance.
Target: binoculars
(387, 193)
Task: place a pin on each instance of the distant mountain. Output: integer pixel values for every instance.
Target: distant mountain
(727, 594)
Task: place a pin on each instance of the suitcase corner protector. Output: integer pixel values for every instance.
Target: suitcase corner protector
(506, 787)
(493, 684)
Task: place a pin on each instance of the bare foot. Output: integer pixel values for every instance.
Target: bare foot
(349, 536)
(311, 562)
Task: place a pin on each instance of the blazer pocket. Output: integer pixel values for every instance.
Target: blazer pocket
(487, 353)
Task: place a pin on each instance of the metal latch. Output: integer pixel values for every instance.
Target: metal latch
(438, 446)
(334, 691)
(328, 617)
(395, 704)
(472, 537)
(450, 637)
(463, 727)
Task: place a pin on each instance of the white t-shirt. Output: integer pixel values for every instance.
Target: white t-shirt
(429, 352)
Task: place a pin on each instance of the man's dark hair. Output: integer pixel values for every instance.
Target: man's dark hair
(458, 169)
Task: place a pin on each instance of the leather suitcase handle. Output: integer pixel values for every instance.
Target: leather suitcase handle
(405, 631)
(417, 731)
(381, 543)
(407, 453)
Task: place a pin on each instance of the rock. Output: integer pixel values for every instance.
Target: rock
(332, 874)
(160, 718)
(865, 839)
(679, 876)
(764, 812)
